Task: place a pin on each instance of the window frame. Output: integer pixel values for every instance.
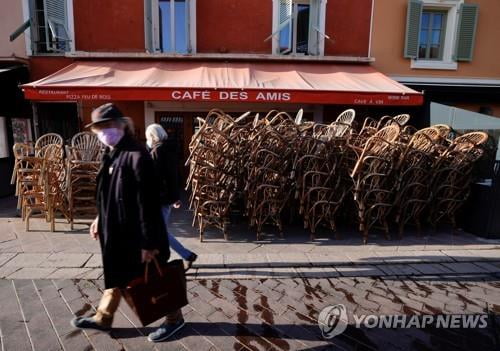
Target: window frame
(28, 14)
(275, 35)
(451, 7)
(293, 28)
(51, 27)
(430, 29)
(156, 26)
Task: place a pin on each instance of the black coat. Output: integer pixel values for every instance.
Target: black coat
(165, 157)
(129, 210)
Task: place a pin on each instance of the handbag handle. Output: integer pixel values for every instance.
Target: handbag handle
(146, 269)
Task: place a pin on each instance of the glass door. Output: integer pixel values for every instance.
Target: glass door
(179, 126)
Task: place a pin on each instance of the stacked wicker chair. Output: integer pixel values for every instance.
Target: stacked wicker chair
(320, 171)
(36, 172)
(414, 171)
(83, 160)
(453, 174)
(43, 190)
(373, 177)
(213, 171)
(50, 180)
(269, 166)
(266, 165)
(23, 168)
(316, 178)
(45, 141)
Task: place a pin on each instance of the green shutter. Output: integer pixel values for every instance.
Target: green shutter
(413, 16)
(466, 31)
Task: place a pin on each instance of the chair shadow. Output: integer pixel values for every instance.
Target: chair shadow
(352, 338)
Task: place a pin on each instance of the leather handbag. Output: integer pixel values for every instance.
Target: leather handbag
(159, 292)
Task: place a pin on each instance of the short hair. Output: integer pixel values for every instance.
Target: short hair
(156, 133)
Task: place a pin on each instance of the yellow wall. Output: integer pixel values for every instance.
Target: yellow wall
(388, 36)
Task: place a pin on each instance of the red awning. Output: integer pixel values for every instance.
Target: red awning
(219, 81)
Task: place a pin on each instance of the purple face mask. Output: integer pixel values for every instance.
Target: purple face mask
(110, 136)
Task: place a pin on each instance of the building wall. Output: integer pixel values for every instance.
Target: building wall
(109, 25)
(223, 26)
(348, 25)
(11, 17)
(41, 66)
(228, 26)
(389, 25)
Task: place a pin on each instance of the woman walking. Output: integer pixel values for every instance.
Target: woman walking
(129, 225)
(164, 155)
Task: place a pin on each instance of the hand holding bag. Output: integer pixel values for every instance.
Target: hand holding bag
(155, 294)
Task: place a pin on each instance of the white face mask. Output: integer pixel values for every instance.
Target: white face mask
(110, 136)
(149, 142)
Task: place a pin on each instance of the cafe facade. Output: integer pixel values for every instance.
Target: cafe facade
(172, 61)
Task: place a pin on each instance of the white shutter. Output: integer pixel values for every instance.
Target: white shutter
(285, 12)
(148, 26)
(317, 35)
(282, 18)
(314, 27)
(56, 21)
(285, 22)
(56, 10)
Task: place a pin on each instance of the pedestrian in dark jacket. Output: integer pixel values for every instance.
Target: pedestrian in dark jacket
(164, 155)
(129, 225)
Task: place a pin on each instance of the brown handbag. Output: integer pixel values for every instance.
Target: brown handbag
(155, 294)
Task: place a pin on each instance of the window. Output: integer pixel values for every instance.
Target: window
(48, 23)
(432, 33)
(294, 37)
(298, 27)
(173, 26)
(439, 33)
(169, 27)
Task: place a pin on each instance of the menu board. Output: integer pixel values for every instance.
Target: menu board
(21, 130)
(4, 143)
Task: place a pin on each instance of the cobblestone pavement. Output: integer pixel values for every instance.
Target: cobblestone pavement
(258, 314)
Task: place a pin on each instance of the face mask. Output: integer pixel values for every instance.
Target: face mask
(149, 142)
(110, 136)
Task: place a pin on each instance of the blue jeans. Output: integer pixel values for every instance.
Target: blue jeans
(173, 242)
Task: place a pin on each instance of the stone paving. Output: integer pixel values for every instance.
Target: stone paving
(66, 254)
(255, 295)
(258, 314)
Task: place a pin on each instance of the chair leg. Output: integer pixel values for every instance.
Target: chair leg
(224, 231)
(52, 220)
(365, 236)
(23, 209)
(13, 177)
(19, 201)
(200, 226)
(28, 214)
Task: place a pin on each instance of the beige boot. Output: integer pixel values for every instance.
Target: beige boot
(103, 318)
